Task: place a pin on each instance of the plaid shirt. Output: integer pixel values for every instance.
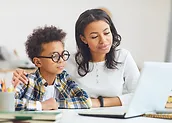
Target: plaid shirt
(69, 94)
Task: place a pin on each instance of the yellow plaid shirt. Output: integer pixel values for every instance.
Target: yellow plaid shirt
(69, 94)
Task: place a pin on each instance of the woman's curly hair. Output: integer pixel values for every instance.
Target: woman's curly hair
(41, 36)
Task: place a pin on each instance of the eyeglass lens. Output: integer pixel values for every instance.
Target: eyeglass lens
(56, 56)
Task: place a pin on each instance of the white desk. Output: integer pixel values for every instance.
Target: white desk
(71, 116)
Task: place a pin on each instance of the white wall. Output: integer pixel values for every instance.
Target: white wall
(143, 24)
(168, 56)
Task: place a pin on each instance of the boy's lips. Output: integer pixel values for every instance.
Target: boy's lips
(60, 67)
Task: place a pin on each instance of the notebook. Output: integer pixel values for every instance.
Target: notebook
(153, 89)
(32, 115)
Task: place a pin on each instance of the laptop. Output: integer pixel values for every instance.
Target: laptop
(153, 89)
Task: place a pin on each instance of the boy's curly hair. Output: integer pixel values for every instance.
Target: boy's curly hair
(41, 36)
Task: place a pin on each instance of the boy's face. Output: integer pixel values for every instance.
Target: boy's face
(48, 65)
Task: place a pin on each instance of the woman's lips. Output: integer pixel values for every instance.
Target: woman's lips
(104, 47)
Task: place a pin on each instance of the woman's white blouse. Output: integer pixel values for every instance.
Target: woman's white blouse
(105, 82)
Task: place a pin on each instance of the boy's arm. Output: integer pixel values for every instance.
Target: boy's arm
(77, 97)
(29, 105)
(25, 101)
(22, 98)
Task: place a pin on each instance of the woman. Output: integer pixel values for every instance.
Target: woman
(109, 75)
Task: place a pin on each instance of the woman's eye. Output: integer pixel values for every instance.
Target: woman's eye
(93, 37)
(106, 33)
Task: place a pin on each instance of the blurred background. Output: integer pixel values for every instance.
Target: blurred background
(145, 26)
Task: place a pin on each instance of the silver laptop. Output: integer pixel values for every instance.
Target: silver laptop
(153, 89)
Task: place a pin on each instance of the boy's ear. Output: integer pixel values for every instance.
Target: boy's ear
(37, 62)
(83, 39)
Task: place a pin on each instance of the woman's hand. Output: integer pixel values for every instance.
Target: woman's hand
(19, 75)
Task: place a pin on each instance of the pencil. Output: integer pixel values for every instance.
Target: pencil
(10, 89)
(3, 86)
(0, 86)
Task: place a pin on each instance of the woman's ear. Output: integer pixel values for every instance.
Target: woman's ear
(37, 62)
(83, 39)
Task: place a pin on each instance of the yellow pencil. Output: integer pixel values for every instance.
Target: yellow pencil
(10, 89)
(4, 87)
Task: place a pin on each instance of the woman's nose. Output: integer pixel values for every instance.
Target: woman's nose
(102, 39)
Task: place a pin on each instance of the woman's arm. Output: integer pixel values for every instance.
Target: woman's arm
(108, 102)
(130, 76)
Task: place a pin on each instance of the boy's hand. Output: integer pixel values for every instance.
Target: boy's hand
(49, 104)
(19, 75)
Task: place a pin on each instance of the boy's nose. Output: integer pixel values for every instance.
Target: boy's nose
(60, 60)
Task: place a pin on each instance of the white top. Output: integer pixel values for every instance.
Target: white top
(49, 92)
(105, 82)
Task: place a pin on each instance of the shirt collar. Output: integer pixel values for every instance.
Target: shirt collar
(40, 80)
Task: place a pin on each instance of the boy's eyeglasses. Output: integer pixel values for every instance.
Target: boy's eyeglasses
(56, 56)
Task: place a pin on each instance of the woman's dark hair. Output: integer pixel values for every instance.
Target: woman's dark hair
(41, 36)
(83, 55)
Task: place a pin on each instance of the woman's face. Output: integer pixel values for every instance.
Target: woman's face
(98, 36)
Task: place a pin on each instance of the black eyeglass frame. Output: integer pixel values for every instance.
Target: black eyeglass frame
(65, 52)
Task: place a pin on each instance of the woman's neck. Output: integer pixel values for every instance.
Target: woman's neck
(49, 77)
(98, 57)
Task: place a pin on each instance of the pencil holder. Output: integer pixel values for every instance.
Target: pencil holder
(7, 101)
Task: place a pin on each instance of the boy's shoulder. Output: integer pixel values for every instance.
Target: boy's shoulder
(63, 74)
(65, 78)
(31, 75)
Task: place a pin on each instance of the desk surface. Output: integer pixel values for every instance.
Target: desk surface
(72, 116)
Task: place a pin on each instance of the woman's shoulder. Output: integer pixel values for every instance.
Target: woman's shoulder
(121, 54)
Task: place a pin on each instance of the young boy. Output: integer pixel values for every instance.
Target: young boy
(50, 87)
